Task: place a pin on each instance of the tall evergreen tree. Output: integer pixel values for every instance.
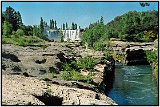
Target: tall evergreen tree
(19, 19)
(63, 26)
(50, 24)
(75, 26)
(41, 25)
(53, 26)
(9, 14)
(55, 23)
(101, 20)
(72, 26)
(66, 25)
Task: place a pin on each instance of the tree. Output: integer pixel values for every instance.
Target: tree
(93, 34)
(101, 20)
(55, 23)
(145, 4)
(19, 19)
(7, 29)
(36, 31)
(41, 25)
(9, 15)
(50, 24)
(72, 26)
(75, 26)
(28, 30)
(66, 25)
(63, 26)
(13, 17)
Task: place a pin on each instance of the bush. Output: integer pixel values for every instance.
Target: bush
(151, 56)
(19, 33)
(71, 70)
(99, 46)
(86, 63)
(76, 76)
(21, 40)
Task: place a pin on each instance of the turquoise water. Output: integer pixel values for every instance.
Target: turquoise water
(134, 85)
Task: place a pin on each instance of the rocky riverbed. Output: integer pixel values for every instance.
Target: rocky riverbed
(25, 68)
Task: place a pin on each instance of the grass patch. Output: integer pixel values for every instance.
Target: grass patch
(71, 71)
(22, 40)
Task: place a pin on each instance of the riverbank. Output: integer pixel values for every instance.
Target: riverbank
(45, 64)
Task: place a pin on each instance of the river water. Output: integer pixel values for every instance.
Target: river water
(134, 85)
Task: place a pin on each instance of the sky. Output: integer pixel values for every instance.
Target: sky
(82, 13)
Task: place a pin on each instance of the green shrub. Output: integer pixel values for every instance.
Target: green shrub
(19, 33)
(76, 76)
(151, 56)
(99, 46)
(86, 63)
(66, 67)
(67, 75)
(21, 40)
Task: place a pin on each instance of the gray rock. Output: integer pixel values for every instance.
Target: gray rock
(20, 90)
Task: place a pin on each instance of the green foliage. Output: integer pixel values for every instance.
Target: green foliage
(13, 17)
(71, 70)
(76, 76)
(28, 30)
(86, 63)
(41, 26)
(99, 46)
(21, 40)
(7, 29)
(150, 35)
(36, 31)
(131, 26)
(93, 33)
(107, 55)
(152, 56)
(19, 33)
(60, 36)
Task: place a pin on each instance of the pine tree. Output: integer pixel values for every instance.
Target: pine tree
(66, 25)
(101, 20)
(63, 26)
(75, 26)
(19, 19)
(50, 24)
(41, 25)
(55, 23)
(72, 26)
(9, 14)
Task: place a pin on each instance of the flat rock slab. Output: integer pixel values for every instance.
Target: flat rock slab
(20, 90)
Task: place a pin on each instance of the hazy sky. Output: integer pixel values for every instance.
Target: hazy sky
(82, 13)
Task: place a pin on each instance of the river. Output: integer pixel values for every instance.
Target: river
(134, 85)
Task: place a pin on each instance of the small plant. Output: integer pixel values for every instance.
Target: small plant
(53, 75)
(86, 63)
(76, 76)
(151, 56)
